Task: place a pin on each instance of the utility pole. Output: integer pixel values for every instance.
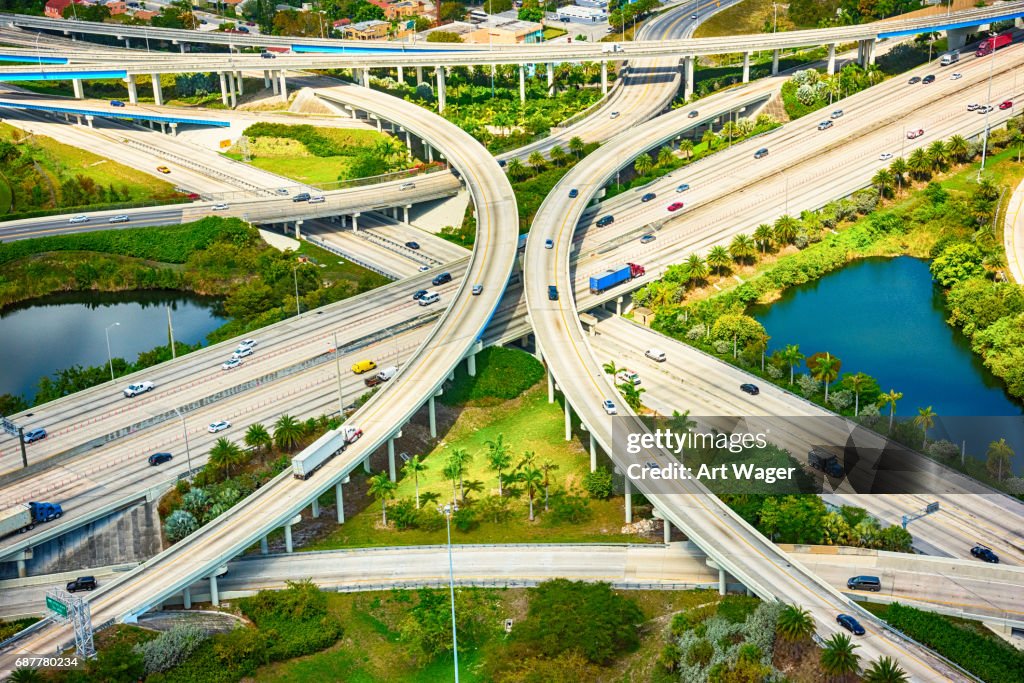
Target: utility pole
(170, 332)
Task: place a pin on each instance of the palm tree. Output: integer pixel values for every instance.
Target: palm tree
(223, 455)
(883, 180)
(537, 160)
(610, 368)
(414, 466)
(919, 164)
(557, 155)
(382, 488)
(710, 138)
(826, 369)
(499, 457)
(577, 146)
(999, 456)
(643, 164)
(786, 228)
(686, 147)
(742, 248)
(451, 472)
(696, 269)
(631, 394)
(763, 235)
(461, 458)
(795, 626)
(857, 384)
(516, 170)
(938, 155)
(891, 398)
(1017, 140)
(257, 436)
(287, 432)
(665, 156)
(792, 357)
(925, 420)
(884, 670)
(531, 478)
(759, 344)
(718, 258)
(547, 467)
(838, 659)
(25, 675)
(899, 170)
(958, 147)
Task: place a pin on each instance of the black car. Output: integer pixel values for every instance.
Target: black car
(763, 152)
(850, 624)
(915, 79)
(750, 389)
(160, 458)
(82, 583)
(605, 220)
(574, 193)
(648, 197)
(552, 293)
(268, 55)
(419, 294)
(984, 553)
(442, 278)
(301, 197)
(692, 115)
(928, 79)
(413, 245)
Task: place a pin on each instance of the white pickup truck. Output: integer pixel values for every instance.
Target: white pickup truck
(140, 388)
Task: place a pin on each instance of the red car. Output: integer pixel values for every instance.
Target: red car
(911, 134)
(1006, 105)
(675, 206)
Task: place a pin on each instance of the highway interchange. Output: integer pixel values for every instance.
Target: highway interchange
(806, 167)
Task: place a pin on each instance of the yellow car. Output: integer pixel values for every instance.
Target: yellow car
(163, 169)
(363, 366)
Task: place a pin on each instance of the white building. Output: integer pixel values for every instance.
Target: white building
(602, 4)
(582, 15)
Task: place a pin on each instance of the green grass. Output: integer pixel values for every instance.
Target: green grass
(6, 196)
(744, 17)
(305, 169)
(551, 33)
(336, 268)
(529, 423)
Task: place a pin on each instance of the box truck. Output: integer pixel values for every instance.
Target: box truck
(951, 57)
(25, 516)
(323, 449)
(990, 45)
(615, 276)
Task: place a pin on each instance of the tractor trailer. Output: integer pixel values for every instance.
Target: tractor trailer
(615, 276)
(323, 449)
(25, 516)
(990, 45)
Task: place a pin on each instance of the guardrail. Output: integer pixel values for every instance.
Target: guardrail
(354, 259)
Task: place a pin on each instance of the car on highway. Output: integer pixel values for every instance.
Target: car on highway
(136, 388)
(574, 193)
(911, 134)
(885, 156)
(930, 78)
(693, 114)
(984, 553)
(364, 366)
(418, 294)
(913, 80)
(824, 125)
(218, 426)
(956, 76)
(657, 355)
(614, 115)
(412, 245)
(837, 114)
(850, 624)
(982, 109)
(193, 195)
(118, 219)
(301, 197)
(1006, 104)
(424, 268)
(626, 376)
(317, 199)
(242, 29)
(82, 583)
(116, 103)
(609, 407)
(761, 153)
(647, 239)
(282, 191)
(163, 169)
(247, 343)
(219, 207)
(973, 106)
(693, 16)
(242, 352)
(441, 278)
(160, 458)
(231, 363)
(682, 188)
(429, 298)
(79, 219)
(37, 434)
(552, 293)
(407, 186)
(750, 389)
(549, 244)
(478, 290)
(864, 583)
(268, 55)
(604, 221)
(675, 206)
(648, 197)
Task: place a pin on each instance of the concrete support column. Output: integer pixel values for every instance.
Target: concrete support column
(568, 420)
(232, 95)
(366, 78)
(746, 67)
(401, 75)
(667, 537)
(223, 89)
(163, 127)
(831, 69)
(214, 595)
(366, 465)
(721, 581)
(871, 51)
(287, 538)
(618, 305)
(182, 48)
(127, 43)
(432, 417)
(471, 365)
(79, 89)
(274, 86)
(158, 91)
(380, 125)
(89, 121)
(551, 79)
(551, 388)
(440, 88)
(391, 459)
(405, 213)
(355, 222)
(408, 143)
(340, 500)
(266, 79)
(629, 501)
(688, 77)
(604, 78)
(283, 88)
(174, 128)
(430, 151)
(775, 62)
(264, 548)
(419, 75)
(186, 598)
(22, 569)
(133, 90)
(315, 508)
(239, 82)
(956, 38)
(593, 452)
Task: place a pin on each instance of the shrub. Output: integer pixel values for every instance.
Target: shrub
(179, 524)
(404, 514)
(298, 616)
(599, 484)
(570, 508)
(500, 374)
(171, 647)
(808, 385)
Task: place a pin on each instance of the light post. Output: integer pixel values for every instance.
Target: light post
(775, 20)
(337, 368)
(110, 359)
(988, 110)
(295, 276)
(447, 511)
(188, 451)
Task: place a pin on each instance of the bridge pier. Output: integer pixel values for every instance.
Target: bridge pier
(831, 69)
(471, 364)
(419, 75)
(22, 570)
(89, 121)
(79, 90)
(440, 88)
(182, 47)
(618, 305)
(158, 91)
(432, 416)
(430, 151)
(551, 79)
(721, 581)
(746, 67)
(238, 80)
(775, 62)
(391, 457)
(223, 89)
(568, 420)
(264, 548)
(366, 78)
(688, 77)
(127, 43)
(298, 229)
(232, 95)
(340, 502)
(667, 531)
(522, 83)
(604, 78)
(133, 89)
(956, 38)
(186, 598)
(284, 86)
(287, 538)
(266, 79)
(405, 213)
(551, 387)
(593, 453)
(629, 500)
(401, 75)
(355, 221)
(315, 508)
(214, 595)
(174, 129)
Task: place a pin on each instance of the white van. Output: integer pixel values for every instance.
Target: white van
(657, 355)
(951, 57)
(628, 377)
(387, 373)
(429, 298)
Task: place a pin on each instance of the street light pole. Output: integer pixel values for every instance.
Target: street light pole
(337, 368)
(110, 359)
(188, 451)
(451, 588)
(988, 110)
(295, 276)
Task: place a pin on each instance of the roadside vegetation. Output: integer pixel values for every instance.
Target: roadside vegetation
(39, 175)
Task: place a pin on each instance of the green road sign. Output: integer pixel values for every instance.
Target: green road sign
(55, 605)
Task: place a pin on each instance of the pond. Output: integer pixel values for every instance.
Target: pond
(884, 317)
(41, 336)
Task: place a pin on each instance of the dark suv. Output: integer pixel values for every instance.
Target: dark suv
(160, 458)
(552, 293)
(301, 197)
(984, 553)
(605, 220)
(82, 583)
(441, 279)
